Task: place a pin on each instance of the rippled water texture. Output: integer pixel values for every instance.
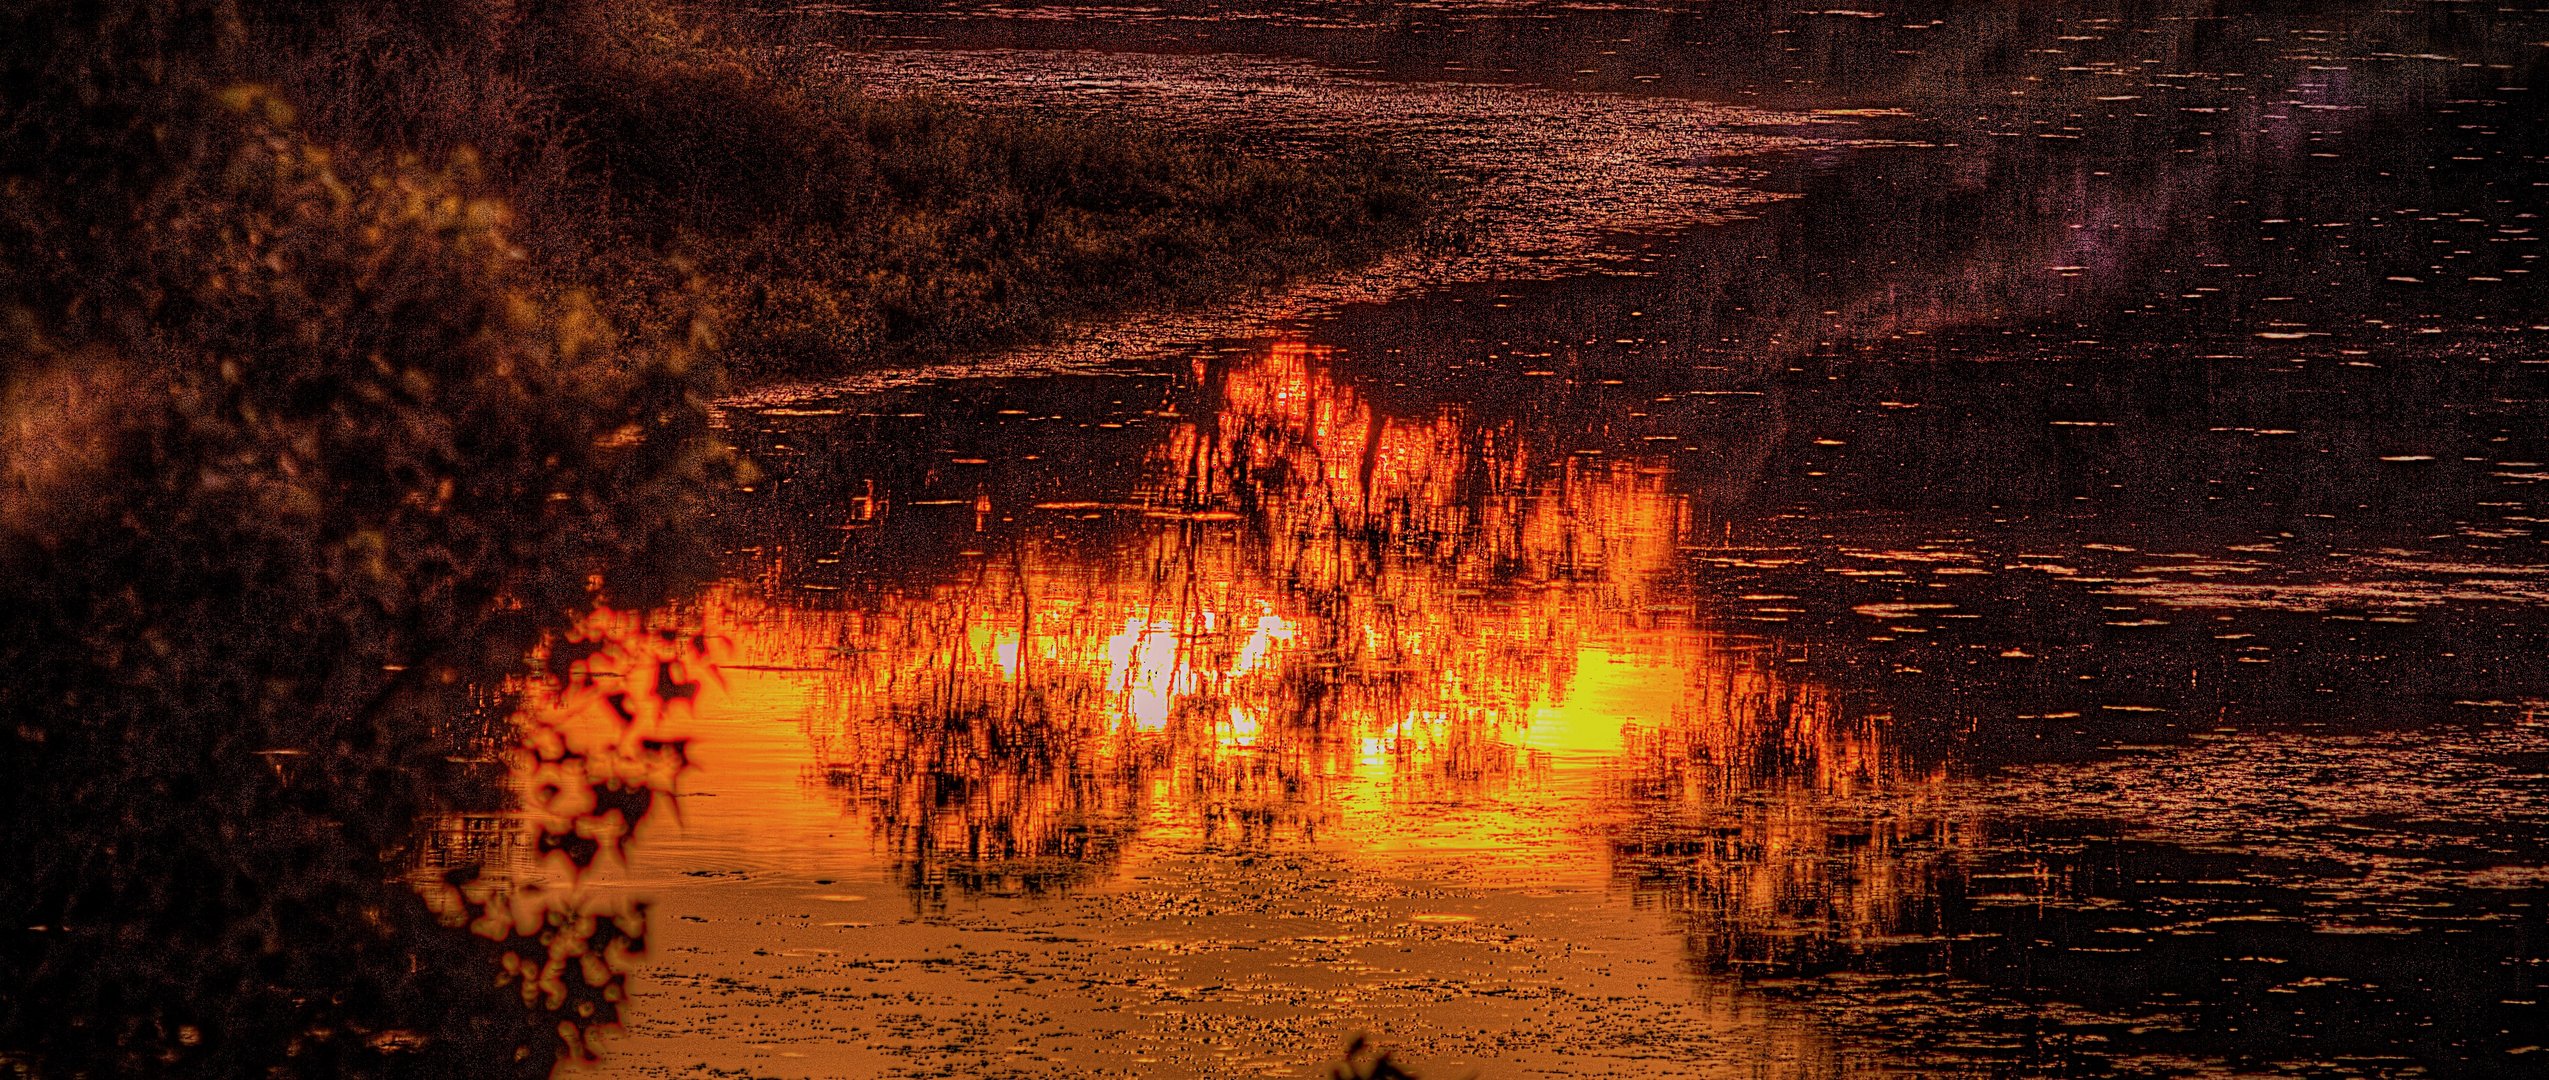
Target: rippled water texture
(1940, 540)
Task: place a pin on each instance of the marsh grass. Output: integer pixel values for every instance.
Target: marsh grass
(836, 229)
(828, 227)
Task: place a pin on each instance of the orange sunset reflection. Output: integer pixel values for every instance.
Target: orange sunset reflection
(1310, 622)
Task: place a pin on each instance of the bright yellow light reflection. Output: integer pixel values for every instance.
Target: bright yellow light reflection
(1316, 622)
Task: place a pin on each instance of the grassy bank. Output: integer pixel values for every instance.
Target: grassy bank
(352, 352)
(833, 228)
(661, 162)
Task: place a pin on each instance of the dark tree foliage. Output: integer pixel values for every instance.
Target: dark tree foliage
(297, 469)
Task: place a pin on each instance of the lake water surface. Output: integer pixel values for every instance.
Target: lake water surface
(1938, 540)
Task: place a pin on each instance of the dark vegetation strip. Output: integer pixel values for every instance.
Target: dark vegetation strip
(656, 159)
(350, 351)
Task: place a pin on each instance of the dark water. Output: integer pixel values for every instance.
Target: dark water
(2037, 575)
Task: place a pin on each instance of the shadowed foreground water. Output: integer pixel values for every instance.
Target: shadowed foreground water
(2047, 582)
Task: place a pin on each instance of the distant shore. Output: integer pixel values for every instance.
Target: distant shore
(826, 229)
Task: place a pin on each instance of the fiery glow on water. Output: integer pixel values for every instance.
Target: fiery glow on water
(1305, 711)
(1436, 661)
(1316, 611)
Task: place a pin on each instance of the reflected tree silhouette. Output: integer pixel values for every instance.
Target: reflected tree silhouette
(1256, 630)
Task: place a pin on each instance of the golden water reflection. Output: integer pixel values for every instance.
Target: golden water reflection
(1312, 623)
